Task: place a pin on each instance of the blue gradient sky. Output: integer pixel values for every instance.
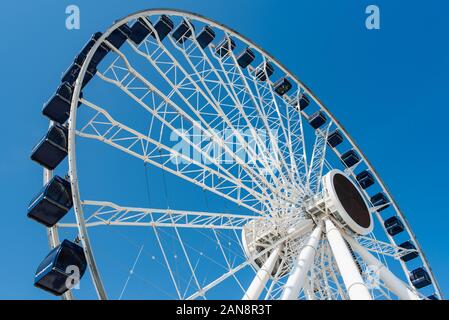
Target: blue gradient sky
(389, 88)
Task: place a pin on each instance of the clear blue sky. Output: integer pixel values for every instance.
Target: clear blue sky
(389, 88)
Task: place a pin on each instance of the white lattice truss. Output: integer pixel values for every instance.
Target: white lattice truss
(107, 213)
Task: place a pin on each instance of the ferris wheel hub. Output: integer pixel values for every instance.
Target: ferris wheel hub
(342, 199)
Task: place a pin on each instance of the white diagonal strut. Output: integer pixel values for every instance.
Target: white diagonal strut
(302, 265)
(262, 276)
(316, 163)
(393, 283)
(354, 284)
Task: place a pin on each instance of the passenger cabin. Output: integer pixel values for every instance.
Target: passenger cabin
(53, 272)
(119, 36)
(350, 158)
(302, 101)
(245, 58)
(163, 26)
(225, 47)
(408, 245)
(282, 86)
(394, 226)
(365, 179)
(335, 138)
(433, 297)
(380, 200)
(52, 148)
(52, 203)
(317, 119)
(98, 56)
(140, 30)
(420, 278)
(183, 31)
(58, 107)
(71, 74)
(264, 71)
(205, 37)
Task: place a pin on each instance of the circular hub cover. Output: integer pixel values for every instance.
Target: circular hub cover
(347, 202)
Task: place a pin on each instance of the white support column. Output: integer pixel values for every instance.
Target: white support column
(308, 291)
(305, 259)
(262, 276)
(393, 283)
(354, 284)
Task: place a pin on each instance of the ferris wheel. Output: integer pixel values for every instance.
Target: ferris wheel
(183, 161)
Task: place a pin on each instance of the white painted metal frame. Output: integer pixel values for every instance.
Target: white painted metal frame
(290, 160)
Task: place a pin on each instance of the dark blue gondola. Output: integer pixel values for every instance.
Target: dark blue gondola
(53, 272)
(365, 179)
(433, 297)
(52, 203)
(119, 36)
(163, 26)
(350, 158)
(380, 200)
(282, 86)
(225, 46)
(140, 30)
(98, 56)
(420, 278)
(317, 119)
(408, 245)
(72, 73)
(264, 71)
(52, 148)
(394, 226)
(205, 37)
(58, 107)
(245, 58)
(335, 138)
(302, 101)
(183, 31)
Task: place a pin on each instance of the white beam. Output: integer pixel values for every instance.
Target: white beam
(354, 284)
(393, 283)
(108, 213)
(305, 259)
(262, 276)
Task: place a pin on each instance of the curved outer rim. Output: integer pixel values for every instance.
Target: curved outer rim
(72, 135)
(328, 181)
(52, 233)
